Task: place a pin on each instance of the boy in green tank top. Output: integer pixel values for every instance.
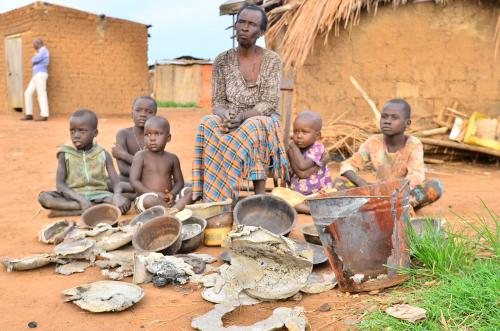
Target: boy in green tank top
(82, 171)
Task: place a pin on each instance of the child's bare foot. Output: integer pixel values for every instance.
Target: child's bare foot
(51, 201)
(59, 213)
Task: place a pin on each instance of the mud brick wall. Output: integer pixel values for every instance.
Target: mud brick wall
(97, 62)
(428, 54)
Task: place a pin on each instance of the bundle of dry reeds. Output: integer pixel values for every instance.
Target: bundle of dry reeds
(344, 137)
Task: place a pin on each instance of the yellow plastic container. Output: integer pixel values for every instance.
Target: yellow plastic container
(217, 229)
(470, 132)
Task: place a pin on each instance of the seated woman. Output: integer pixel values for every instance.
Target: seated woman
(243, 137)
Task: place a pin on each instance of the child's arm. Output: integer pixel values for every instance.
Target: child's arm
(113, 176)
(416, 174)
(63, 188)
(301, 166)
(123, 157)
(135, 174)
(354, 178)
(177, 176)
(355, 163)
(118, 200)
(299, 161)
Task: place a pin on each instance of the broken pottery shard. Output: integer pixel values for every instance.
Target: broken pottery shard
(211, 279)
(291, 319)
(82, 232)
(266, 266)
(84, 249)
(70, 247)
(72, 267)
(197, 264)
(117, 258)
(141, 274)
(317, 283)
(220, 289)
(54, 233)
(227, 294)
(106, 295)
(28, 262)
(115, 240)
(207, 258)
(174, 271)
(172, 268)
(119, 273)
(196, 279)
(406, 312)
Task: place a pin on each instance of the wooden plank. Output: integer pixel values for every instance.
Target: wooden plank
(466, 147)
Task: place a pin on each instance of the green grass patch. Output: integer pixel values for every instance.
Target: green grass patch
(438, 253)
(173, 104)
(464, 295)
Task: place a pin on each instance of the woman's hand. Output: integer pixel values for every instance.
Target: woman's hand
(225, 115)
(222, 112)
(234, 123)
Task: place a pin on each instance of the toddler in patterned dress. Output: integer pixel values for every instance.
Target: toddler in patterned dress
(310, 174)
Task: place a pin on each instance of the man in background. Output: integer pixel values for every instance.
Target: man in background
(38, 83)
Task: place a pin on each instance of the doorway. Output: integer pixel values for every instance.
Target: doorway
(13, 56)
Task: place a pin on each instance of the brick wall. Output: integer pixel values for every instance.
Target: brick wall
(97, 63)
(16, 22)
(428, 54)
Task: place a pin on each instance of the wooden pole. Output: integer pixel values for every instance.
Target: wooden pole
(365, 95)
(466, 147)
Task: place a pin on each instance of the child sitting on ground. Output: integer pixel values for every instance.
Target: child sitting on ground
(81, 172)
(156, 174)
(131, 140)
(395, 156)
(310, 174)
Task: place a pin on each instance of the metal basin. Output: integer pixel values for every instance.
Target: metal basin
(267, 211)
(103, 213)
(161, 234)
(192, 241)
(311, 234)
(149, 214)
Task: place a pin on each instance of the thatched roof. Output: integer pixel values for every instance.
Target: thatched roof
(305, 20)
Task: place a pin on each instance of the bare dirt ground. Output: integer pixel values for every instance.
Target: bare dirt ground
(27, 155)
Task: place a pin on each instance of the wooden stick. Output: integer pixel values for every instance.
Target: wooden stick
(456, 112)
(432, 132)
(466, 147)
(431, 160)
(270, 3)
(284, 8)
(372, 105)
